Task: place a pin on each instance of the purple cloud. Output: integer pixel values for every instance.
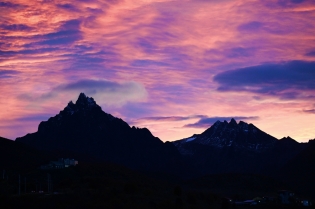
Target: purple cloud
(207, 122)
(9, 5)
(68, 33)
(286, 2)
(147, 45)
(140, 63)
(37, 117)
(90, 84)
(269, 27)
(251, 26)
(311, 54)
(309, 111)
(61, 38)
(81, 61)
(172, 118)
(111, 93)
(16, 27)
(8, 73)
(284, 80)
(27, 51)
(297, 1)
(69, 7)
(71, 25)
(240, 52)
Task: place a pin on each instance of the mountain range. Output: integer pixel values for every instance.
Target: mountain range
(82, 130)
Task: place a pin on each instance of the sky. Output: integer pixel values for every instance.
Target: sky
(173, 66)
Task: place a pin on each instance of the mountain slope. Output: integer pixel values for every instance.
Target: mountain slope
(224, 134)
(241, 148)
(84, 129)
(17, 156)
(301, 169)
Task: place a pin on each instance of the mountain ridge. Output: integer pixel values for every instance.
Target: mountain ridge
(85, 131)
(222, 134)
(237, 147)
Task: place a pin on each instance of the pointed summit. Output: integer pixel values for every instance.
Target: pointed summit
(287, 140)
(70, 104)
(233, 122)
(81, 99)
(70, 107)
(82, 96)
(84, 101)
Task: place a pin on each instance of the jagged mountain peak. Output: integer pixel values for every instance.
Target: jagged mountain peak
(233, 122)
(288, 140)
(83, 100)
(230, 134)
(232, 126)
(84, 117)
(217, 122)
(82, 96)
(84, 111)
(70, 104)
(83, 104)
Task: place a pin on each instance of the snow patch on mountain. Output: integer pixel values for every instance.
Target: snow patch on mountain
(190, 139)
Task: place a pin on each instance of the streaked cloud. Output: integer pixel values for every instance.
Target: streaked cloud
(171, 118)
(207, 122)
(37, 118)
(16, 27)
(312, 111)
(9, 5)
(7, 73)
(289, 80)
(112, 93)
(311, 53)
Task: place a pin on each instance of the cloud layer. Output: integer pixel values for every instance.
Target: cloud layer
(209, 121)
(112, 92)
(289, 80)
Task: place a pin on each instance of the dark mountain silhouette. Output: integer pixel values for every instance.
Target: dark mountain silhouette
(18, 156)
(237, 148)
(300, 170)
(86, 132)
(281, 153)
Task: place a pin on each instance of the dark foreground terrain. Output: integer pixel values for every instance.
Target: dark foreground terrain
(89, 185)
(95, 184)
(99, 186)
